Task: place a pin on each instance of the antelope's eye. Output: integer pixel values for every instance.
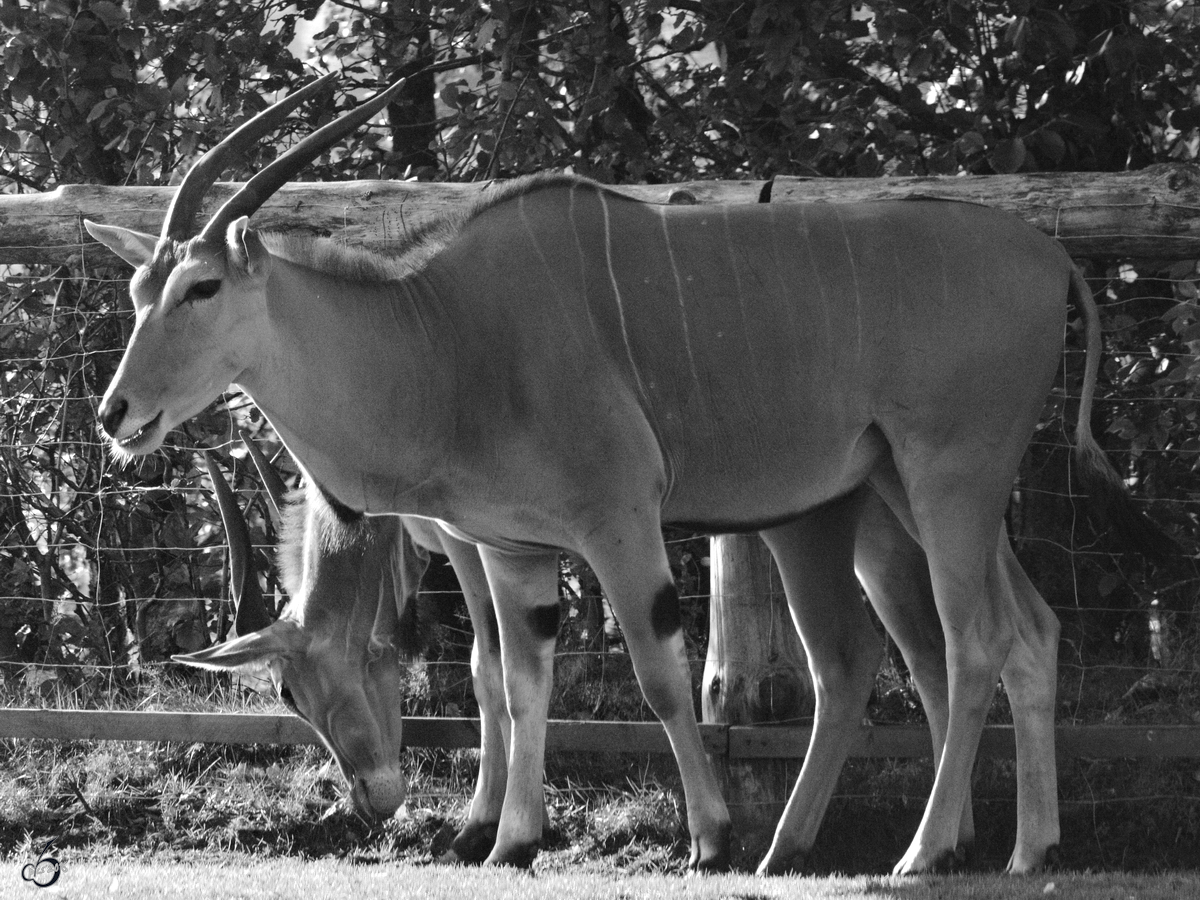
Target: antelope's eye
(202, 290)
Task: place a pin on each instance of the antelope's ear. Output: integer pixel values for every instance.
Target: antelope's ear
(134, 247)
(245, 247)
(413, 631)
(252, 652)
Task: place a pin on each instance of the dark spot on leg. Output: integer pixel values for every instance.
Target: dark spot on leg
(489, 631)
(544, 621)
(665, 617)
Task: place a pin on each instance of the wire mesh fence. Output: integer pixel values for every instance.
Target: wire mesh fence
(107, 570)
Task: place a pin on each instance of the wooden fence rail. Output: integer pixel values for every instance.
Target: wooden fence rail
(1153, 212)
(732, 742)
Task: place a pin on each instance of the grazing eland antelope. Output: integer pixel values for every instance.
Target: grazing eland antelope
(334, 653)
(564, 367)
(353, 583)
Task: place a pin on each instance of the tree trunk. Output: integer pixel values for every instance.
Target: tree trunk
(756, 673)
(412, 115)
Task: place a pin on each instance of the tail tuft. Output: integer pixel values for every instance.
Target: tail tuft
(1133, 528)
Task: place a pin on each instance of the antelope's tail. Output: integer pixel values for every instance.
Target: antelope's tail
(1133, 528)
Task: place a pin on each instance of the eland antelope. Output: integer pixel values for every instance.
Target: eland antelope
(564, 367)
(334, 653)
(331, 653)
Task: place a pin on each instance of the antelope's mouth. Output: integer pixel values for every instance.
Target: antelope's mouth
(144, 436)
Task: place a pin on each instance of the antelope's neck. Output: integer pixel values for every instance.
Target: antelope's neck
(349, 377)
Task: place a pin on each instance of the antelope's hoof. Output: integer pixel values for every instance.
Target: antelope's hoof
(943, 863)
(518, 856)
(794, 863)
(712, 855)
(1050, 858)
(473, 844)
(951, 861)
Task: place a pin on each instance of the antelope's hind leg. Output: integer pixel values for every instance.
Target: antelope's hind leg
(1031, 679)
(815, 556)
(958, 533)
(895, 575)
(994, 625)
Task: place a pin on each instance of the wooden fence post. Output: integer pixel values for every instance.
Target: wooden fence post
(756, 673)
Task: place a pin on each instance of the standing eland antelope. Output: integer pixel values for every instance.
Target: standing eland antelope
(334, 653)
(564, 367)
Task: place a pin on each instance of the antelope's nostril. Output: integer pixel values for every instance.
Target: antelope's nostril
(112, 413)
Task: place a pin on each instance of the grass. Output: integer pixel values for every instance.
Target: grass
(617, 813)
(131, 813)
(253, 879)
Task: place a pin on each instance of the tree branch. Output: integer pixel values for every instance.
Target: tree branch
(20, 179)
(918, 112)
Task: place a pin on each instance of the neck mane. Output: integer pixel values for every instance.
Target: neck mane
(341, 570)
(409, 254)
(315, 537)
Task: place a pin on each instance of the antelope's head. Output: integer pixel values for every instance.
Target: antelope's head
(332, 654)
(199, 292)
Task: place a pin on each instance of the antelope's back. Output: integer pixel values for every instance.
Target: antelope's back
(759, 342)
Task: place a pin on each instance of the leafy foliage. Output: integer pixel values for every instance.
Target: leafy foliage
(637, 90)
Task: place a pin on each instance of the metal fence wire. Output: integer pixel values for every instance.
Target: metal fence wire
(107, 570)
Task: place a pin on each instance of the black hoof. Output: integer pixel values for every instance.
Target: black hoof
(1053, 859)
(473, 844)
(716, 858)
(519, 857)
(949, 862)
(792, 864)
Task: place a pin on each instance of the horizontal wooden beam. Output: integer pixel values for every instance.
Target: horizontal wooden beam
(122, 725)
(737, 742)
(1085, 741)
(48, 228)
(1153, 212)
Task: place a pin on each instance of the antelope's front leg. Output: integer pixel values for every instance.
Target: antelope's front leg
(525, 591)
(477, 837)
(631, 564)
